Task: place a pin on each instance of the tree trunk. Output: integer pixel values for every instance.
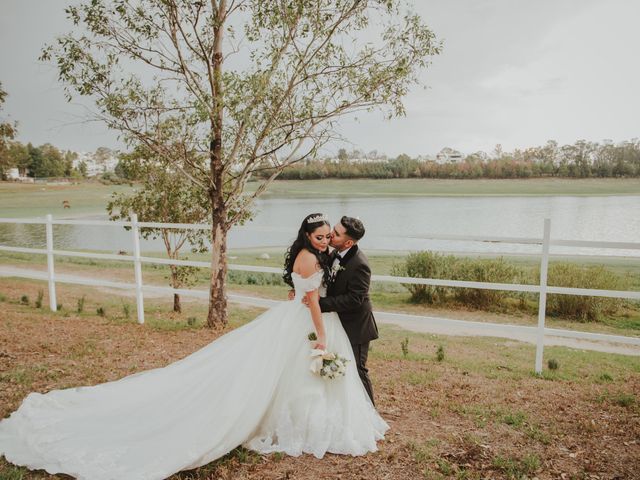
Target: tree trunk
(217, 317)
(177, 307)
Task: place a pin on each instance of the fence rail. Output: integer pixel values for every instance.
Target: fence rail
(542, 289)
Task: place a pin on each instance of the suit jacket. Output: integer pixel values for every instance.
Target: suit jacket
(348, 295)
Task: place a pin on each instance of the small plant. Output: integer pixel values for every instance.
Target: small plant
(440, 353)
(59, 307)
(101, 311)
(191, 321)
(39, 299)
(404, 344)
(81, 303)
(553, 364)
(2, 297)
(605, 377)
(126, 309)
(24, 300)
(312, 337)
(624, 399)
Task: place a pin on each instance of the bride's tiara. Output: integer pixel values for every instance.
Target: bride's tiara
(318, 218)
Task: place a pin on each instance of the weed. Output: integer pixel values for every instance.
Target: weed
(440, 353)
(24, 300)
(191, 321)
(553, 364)
(624, 399)
(404, 345)
(101, 311)
(605, 377)
(81, 303)
(39, 299)
(126, 309)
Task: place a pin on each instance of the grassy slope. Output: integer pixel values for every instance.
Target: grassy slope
(434, 187)
(478, 413)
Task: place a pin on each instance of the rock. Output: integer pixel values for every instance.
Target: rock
(264, 256)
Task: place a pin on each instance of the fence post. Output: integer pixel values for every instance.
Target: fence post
(137, 265)
(53, 303)
(542, 303)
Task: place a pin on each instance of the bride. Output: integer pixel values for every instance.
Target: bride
(252, 387)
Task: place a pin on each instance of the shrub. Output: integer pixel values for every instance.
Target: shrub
(81, 303)
(101, 311)
(126, 309)
(553, 364)
(39, 299)
(492, 271)
(404, 345)
(426, 265)
(581, 308)
(24, 300)
(440, 353)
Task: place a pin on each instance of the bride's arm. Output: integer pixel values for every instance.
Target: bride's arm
(308, 265)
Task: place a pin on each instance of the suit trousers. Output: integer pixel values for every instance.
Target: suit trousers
(361, 352)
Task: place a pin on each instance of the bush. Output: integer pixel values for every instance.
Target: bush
(81, 304)
(404, 345)
(101, 311)
(580, 308)
(39, 299)
(491, 271)
(24, 300)
(426, 265)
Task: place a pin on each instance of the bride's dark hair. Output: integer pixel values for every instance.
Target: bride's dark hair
(302, 241)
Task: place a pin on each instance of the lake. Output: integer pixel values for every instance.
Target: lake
(396, 223)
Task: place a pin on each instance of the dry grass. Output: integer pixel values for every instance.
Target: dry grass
(478, 413)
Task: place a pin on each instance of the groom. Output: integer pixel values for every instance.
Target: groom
(348, 292)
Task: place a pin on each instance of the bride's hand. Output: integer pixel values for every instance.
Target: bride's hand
(321, 344)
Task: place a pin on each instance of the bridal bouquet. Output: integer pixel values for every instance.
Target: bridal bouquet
(327, 364)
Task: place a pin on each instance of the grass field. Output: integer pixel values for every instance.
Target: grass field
(414, 187)
(36, 200)
(385, 296)
(477, 413)
(90, 198)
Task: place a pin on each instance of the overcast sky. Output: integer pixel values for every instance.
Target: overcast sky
(514, 72)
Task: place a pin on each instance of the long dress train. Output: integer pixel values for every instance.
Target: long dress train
(251, 387)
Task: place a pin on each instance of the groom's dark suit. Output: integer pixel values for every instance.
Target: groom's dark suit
(348, 295)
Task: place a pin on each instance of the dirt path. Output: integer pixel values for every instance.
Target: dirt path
(415, 323)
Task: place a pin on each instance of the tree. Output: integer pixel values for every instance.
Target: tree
(306, 64)
(8, 132)
(168, 197)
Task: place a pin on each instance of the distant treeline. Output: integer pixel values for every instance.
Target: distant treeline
(580, 160)
(46, 160)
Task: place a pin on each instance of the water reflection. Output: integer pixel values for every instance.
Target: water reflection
(395, 223)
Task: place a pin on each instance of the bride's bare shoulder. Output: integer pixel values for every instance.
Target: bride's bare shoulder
(306, 263)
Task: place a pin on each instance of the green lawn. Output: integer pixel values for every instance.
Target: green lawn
(35, 200)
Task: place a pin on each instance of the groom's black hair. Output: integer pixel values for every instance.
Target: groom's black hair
(354, 227)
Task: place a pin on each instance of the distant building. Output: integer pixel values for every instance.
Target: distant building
(95, 167)
(449, 155)
(15, 175)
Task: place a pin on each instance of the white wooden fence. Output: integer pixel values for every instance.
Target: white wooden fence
(545, 241)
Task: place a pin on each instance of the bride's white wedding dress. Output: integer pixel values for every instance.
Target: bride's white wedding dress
(251, 387)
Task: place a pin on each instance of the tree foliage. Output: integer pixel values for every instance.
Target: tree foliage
(295, 67)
